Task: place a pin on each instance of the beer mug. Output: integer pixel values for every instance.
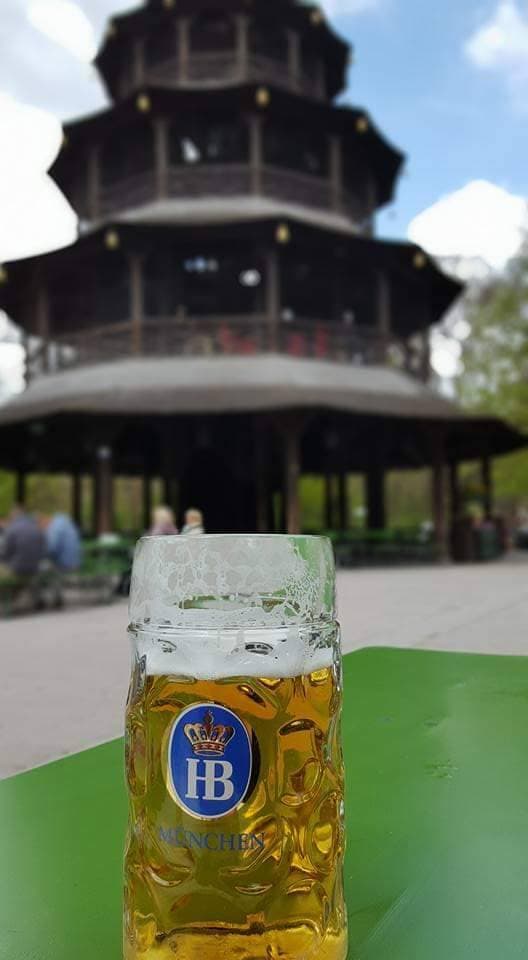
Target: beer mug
(233, 754)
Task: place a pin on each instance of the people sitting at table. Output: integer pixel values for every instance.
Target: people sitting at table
(23, 545)
(163, 522)
(194, 523)
(63, 541)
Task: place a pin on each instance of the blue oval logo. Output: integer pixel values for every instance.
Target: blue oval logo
(210, 761)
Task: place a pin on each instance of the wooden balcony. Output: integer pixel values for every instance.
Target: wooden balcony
(229, 180)
(224, 69)
(214, 336)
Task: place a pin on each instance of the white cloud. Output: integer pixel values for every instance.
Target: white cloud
(481, 220)
(501, 44)
(66, 24)
(35, 215)
(343, 8)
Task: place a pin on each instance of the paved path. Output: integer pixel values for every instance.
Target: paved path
(64, 676)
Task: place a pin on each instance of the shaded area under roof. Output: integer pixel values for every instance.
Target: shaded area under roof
(246, 386)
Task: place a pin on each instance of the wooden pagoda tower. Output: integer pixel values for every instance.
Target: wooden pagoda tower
(227, 318)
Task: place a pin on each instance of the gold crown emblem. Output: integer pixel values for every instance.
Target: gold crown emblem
(207, 739)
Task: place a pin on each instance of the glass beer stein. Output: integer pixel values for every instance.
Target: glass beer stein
(233, 754)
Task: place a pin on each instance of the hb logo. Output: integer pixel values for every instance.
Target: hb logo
(210, 761)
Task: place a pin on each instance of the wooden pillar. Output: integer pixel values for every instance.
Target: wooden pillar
(294, 59)
(336, 171)
(372, 206)
(383, 311)
(138, 62)
(425, 365)
(329, 501)
(137, 302)
(161, 154)
(454, 493)
(376, 505)
(273, 298)
(292, 475)
(320, 80)
(184, 48)
(438, 491)
(104, 491)
(256, 152)
(487, 483)
(20, 487)
(147, 501)
(344, 521)
(262, 463)
(242, 47)
(93, 187)
(43, 322)
(76, 503)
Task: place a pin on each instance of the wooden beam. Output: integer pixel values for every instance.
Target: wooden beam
(376, 502)
(383, 313)
(255, 153)
(20, 487)
(147, 501)
(336, 171)
(262, 479)
(242, 47)
(438, 492)
(344, 521)
(104, 491)
(43, 321)
(138, 62)
(76, 505)
(137, 302)
(184, 48)
(329, 501)
(454, 493)
(93, 184)
(487, 483)
(294, 59)
(161, 154)
(273, 297)
(292, 474)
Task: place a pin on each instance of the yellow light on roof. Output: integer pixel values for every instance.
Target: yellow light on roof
(362, 125)
(3, 275)
(420, 260)
(263, 97)
(283, 233)
(143, 103)
(112, 240)
(317, 16)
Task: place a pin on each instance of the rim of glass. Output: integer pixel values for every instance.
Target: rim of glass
(181, 537)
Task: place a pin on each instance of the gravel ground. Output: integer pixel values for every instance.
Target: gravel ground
(65, 675)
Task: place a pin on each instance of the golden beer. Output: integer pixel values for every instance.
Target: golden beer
(236, 835)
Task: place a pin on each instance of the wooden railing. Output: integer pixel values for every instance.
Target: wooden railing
(228, 180)
(219, 69)
(213, 336)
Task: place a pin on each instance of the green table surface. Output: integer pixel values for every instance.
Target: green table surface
(437, 813)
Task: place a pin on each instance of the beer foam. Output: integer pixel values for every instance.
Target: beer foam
(215, 582)
(273, 654)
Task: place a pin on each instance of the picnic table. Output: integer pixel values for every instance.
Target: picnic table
(437, 813)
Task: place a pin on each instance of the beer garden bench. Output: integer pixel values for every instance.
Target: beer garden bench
(435, 750)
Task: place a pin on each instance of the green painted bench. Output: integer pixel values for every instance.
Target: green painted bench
(437, 811)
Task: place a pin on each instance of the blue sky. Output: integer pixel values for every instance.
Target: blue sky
(457, 118)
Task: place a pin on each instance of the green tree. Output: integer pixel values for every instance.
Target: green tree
(495, 370)
(495, 358)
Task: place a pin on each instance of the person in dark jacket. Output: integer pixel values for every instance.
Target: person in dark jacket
(23, 545)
